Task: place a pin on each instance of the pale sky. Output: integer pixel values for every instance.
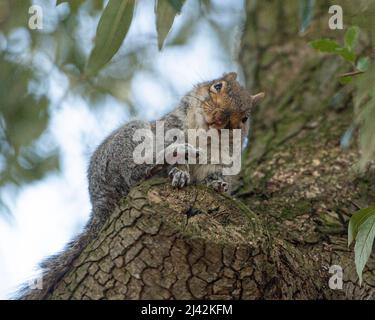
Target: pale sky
(48, 213)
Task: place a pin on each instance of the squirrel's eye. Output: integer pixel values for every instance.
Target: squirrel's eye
(244, 119)
(218, 86)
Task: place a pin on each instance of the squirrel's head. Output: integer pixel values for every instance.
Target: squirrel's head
(227, 105)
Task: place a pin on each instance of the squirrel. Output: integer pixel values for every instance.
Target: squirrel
(217, 104)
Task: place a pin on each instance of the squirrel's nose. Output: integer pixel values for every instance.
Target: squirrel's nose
(222, 117)
(226, 117)
(227, 114)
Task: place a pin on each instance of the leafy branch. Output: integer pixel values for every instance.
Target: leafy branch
(362, 223)
(346, 51)
(114, 25)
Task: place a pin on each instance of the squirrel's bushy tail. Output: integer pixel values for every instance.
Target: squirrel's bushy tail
(56, 266)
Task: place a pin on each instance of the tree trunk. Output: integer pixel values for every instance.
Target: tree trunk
(287, 225)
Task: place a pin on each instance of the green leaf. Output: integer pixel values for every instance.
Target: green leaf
(325, 45)
(177, 4)
(351, 37)
(356, 221)
(331, 46)
(345, 80)
(166, 12)
(363, 63)
(363, 244)
(346, 54)
(306, 13)
(112, 29)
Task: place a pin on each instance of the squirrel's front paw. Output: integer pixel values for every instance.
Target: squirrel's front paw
(181, 153)
(180, 178)
(219, 185)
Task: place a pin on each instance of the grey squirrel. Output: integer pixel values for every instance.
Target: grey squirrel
(218, 104)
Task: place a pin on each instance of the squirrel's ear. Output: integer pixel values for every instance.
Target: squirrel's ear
(257, 98)
(231, 76)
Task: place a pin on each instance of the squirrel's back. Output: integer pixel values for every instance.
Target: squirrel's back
(112, 171)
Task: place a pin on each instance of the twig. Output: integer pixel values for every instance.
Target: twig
(352, 73)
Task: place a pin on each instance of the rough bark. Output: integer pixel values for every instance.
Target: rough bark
(288, 223)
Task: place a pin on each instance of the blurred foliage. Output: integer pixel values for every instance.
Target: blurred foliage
(362, 77)
(306, 9)
(24, 113)
(24, 117)
(94, 69)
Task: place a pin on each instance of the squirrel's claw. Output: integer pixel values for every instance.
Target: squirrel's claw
(180, 178)
(219, 185)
